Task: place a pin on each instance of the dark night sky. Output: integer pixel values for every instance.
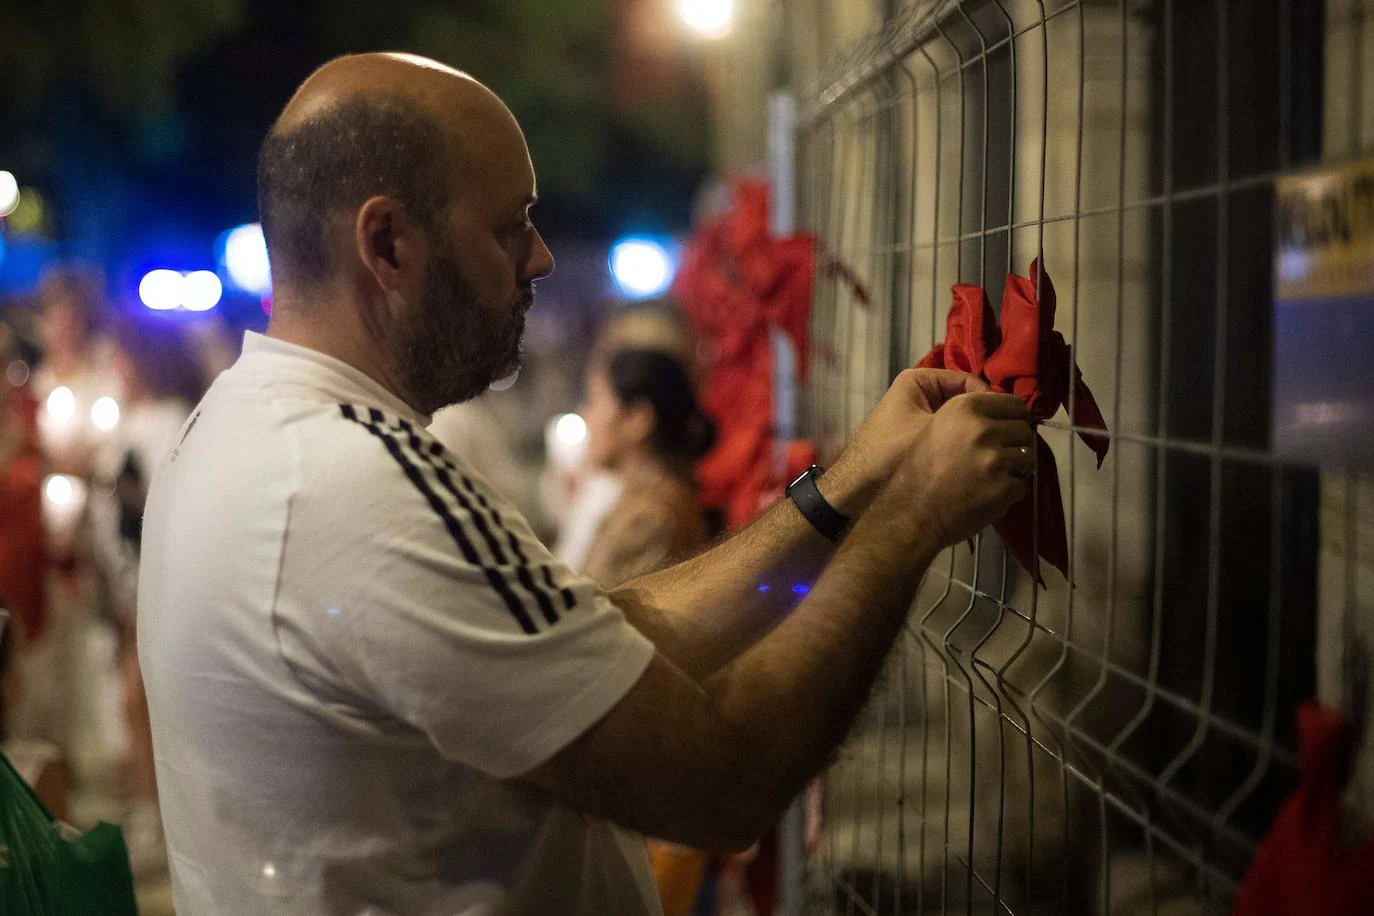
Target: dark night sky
(135, 186)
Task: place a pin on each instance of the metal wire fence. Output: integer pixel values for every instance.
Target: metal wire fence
(1121, 744)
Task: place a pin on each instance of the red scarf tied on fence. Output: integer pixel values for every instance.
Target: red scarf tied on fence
(1306, 866)
(737, 283)
(1027, 357)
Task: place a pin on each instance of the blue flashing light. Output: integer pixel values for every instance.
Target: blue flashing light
(166, 290)
(243, 254)
(161, 289)
(201, 291)
(643, 267)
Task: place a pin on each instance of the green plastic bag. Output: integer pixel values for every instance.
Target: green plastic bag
(47, 874)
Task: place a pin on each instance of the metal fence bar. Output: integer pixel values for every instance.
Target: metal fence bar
(1265, 758)
(1090, 781)
(1249, 182)
(1234, 732)
(904, 343)
(1138, 823)
(1038, 690)
(879, 53)
(1218, 429)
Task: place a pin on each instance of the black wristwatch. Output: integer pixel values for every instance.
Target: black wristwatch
(812, 505)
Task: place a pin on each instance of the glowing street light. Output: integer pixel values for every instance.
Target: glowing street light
(9, 193)
(105, 414)
(58, 489)
(570, 429)
(61, 403)
(642, 268)
(708, 18)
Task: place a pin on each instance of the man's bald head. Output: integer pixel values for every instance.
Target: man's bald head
(395, 195)
(365, 125)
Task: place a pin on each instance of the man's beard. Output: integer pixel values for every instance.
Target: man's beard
(453, 347)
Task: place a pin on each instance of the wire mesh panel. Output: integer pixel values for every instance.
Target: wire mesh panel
(1122, 743)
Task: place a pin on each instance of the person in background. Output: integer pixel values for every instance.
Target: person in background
(76, 389)
(577, 493)
(161, 379)
(75, 358)
(22, 548)
(22, 551)
(644, 425)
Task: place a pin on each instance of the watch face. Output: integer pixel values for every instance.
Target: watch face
(800, 477)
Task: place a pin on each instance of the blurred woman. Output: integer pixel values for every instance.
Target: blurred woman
(576, 494)
(161, 381)
(75, 372)
(644, 424)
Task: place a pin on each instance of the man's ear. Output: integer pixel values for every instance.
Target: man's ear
(388, 243)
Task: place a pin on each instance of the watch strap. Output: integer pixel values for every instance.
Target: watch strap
(806, 496)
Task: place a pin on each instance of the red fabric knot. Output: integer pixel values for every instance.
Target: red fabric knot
(1305, 866)
(1024, 355)
(737, 282)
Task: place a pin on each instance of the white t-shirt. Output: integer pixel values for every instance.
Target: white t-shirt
(473, 432)
(351, 645)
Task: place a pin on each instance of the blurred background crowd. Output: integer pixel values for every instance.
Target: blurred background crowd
(131, 264)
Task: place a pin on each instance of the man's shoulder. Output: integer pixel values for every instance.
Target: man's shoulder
(374, 456)
(376, 437)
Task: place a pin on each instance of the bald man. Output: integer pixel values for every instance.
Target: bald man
(372, 690)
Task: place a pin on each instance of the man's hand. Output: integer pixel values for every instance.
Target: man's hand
(888, 434)
(967, 467)
(708, 761)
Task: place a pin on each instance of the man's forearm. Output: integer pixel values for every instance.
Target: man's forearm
(712, 760)
(704, 612)
(792, 697)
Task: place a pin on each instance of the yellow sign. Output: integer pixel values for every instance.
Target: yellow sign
(1325, 225)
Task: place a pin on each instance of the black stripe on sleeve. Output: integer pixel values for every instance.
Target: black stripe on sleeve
(441, 468)
(568, 599)
(455, 528)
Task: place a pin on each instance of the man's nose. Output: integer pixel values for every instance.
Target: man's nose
(540, 263)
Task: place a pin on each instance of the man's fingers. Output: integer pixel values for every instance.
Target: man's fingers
(999, 406)
(939, 385)
(1012, 433)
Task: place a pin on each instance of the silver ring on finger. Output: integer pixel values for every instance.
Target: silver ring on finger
(1026, 469)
